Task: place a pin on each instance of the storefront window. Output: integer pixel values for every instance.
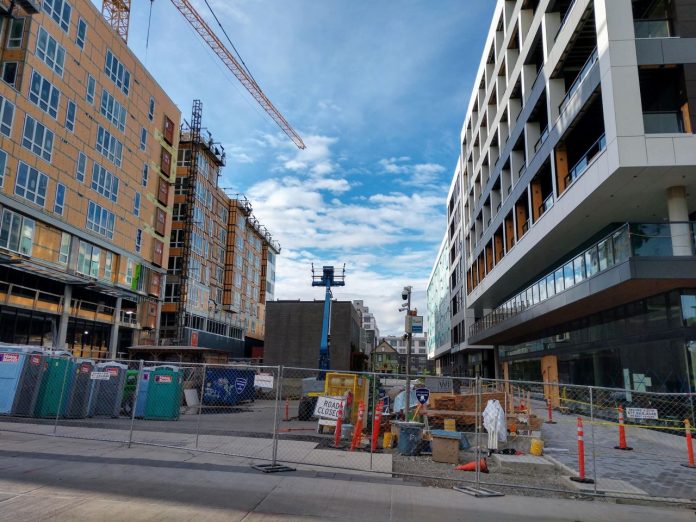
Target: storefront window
(688, 306)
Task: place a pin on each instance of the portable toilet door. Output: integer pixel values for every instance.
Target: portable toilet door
(164, 394)
(11, 370)
(141, 399)
(106, 395)
(56, 387)
(29, 384)
(78, 403)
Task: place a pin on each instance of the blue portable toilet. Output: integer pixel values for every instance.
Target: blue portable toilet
(20, 377)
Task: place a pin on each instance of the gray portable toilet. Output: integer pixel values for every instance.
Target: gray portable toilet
(108, 379)
(78, 400)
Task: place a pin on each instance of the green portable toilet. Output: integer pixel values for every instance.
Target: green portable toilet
(163, 394)
(56, 387)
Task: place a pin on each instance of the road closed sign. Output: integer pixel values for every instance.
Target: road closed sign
(327, 407)
(641, 413)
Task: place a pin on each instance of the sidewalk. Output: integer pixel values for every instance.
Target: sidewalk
(42, 478)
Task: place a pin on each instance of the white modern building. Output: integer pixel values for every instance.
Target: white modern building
(369, 337)
(571, 212)
(438, 317)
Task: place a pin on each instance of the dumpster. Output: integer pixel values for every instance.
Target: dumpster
(163, 394)
(228, 386)
(56, 387)
(106, 394)
(78, 399)
(20, 377)
(410, 437)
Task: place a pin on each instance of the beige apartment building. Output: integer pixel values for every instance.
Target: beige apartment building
(87, 138)
(221, 263)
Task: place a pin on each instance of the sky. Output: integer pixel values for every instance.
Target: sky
(377, 90)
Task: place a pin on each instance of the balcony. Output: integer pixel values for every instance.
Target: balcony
(647, 240)
(653, 28)
(575, 86)
(581, 165)
(663, 122)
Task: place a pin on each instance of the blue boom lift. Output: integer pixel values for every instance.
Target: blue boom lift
(313, 387)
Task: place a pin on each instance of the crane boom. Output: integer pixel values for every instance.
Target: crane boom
(117, 14)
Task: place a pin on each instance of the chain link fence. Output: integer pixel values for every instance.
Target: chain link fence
(483, 436)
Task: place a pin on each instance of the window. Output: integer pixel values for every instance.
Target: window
(16, 232)
(60, 11)
(88, 259)
(130, 269)
(145, 172)
(104, 182)
(59, 202)
(80, 167)
(31, 184)
(168, 130)
(6, 116)
(108, 265)
(109, 146)
(143, 138)
(9, 73)
(238, 280)
(151, 109)
(157, 252)
(136, 204)
(179, 211)
(171, 292)
(117, 72)
(64, 252)
(81, 33)
(3, 166)
(180, 186)
(113, 110)
(177, 238)
(70, 116)
(160, 221)
(91, 87)
(183, 158)
(37, 138)
(138, 240)
(175, 263)
(100, 220)
(165, 161)
(50, 51)
(16, 33)
(44, 94)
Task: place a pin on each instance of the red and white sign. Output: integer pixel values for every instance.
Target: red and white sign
(85, 368)
(163, 378)
(112, 371)
(9, 358)
(35, 359)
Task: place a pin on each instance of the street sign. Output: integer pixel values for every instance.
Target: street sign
(422, 394)
(327, 407)
(439, 384)
(641, 413)
(239, 384)
(414, 324)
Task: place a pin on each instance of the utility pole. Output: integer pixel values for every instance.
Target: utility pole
(406, 295)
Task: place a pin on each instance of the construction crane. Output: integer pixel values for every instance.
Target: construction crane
(117, 14)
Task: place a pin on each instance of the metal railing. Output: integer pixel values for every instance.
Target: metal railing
(628, 240)
(575, 86)
(653, 28)
(584, 162)
(661, 122)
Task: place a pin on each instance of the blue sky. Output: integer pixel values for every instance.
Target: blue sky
(377, 90)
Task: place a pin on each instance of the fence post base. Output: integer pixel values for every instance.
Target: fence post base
(478, 492)
(272, 468)
(582, 480)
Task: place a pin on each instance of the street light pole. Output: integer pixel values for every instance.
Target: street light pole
(407, 291)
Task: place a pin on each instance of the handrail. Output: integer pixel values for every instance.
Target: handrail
(583, 163)
(584, 71)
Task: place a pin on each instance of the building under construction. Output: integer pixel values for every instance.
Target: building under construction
(221, 263)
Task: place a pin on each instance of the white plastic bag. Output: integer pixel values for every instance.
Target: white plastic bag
(494, 422)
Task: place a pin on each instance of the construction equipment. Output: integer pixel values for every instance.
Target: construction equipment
(117, 14)
(313, 387)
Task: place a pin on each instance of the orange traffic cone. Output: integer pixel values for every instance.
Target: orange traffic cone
(471, 466)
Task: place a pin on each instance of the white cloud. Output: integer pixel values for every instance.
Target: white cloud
(413, 174)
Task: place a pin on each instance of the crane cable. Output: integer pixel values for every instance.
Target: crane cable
(147, 38)
(230, 41)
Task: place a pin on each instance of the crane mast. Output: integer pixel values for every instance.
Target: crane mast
(117, 14)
